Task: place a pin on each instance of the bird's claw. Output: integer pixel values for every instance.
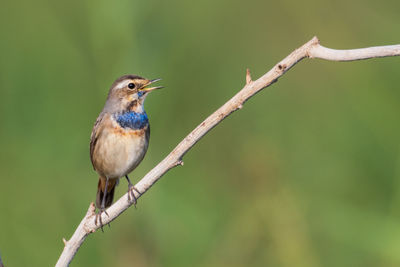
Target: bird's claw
(131, 194)
(97, 218)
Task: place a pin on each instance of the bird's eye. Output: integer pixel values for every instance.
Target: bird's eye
(131, 85)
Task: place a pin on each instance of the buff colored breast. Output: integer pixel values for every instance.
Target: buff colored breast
(121, 149)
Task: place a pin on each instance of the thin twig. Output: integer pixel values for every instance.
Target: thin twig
(311, 49)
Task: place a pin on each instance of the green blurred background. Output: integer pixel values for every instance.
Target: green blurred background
(307, 174)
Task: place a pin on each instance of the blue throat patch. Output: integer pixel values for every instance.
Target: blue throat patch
(133, 120)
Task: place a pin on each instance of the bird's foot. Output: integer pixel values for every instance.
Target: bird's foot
(131, 194)
(97, 218)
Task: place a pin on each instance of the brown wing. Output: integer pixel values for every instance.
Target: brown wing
(95, 134)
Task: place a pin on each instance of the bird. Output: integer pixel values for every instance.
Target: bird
(120, 137)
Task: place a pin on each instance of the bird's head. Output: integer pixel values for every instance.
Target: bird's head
(128, 93)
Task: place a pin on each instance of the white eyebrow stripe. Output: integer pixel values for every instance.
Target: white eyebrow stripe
(122, 84)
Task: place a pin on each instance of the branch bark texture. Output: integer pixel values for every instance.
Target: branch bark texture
(311, 49)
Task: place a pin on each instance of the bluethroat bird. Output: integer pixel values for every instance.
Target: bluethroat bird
(120, 137)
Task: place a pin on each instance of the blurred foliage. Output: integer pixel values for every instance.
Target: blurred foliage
(307, 174)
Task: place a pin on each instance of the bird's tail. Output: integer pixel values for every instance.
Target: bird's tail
(101, 189)
(1, 262)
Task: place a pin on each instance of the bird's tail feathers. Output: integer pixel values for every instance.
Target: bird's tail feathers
(101, 189)
(1, 262)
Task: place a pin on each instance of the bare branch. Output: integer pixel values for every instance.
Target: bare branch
(311, 49)
(354, 54)
(248, 77)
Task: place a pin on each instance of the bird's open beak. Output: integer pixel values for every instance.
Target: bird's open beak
(149, 89)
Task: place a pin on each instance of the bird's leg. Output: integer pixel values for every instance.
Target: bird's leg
(102, 208)
(131, 187)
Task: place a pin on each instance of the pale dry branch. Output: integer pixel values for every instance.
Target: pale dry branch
(311, 49)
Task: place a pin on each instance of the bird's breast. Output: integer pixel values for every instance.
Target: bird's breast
(132, 120)
(119, 150)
